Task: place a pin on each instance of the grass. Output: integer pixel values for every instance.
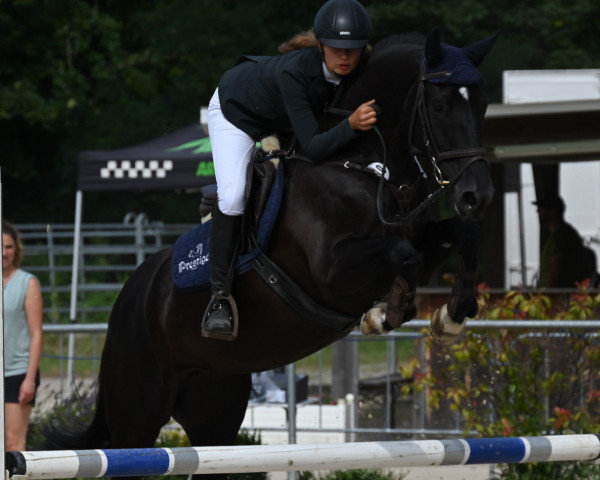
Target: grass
(372, 352)
(88, 348)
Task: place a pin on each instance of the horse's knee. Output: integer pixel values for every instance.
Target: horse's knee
(404, 258)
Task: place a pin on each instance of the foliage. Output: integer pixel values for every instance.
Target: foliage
(518, 382)
(361, 474)
(75, 411)
(79, 75)
(79, 408)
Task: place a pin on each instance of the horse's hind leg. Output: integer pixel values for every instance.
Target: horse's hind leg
(211, 408)
(137, 412)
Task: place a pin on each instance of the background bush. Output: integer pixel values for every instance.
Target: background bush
(508, 382)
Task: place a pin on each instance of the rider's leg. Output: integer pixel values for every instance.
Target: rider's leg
(224, 239)
(232, 151)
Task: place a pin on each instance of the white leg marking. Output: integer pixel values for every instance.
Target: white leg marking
(371, 322)
(444, 331)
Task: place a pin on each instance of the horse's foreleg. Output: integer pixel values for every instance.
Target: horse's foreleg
(449, 321)
(444, 330)
(398, 306)
(373, 322)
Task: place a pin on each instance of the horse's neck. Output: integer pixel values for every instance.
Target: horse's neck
(395, 98)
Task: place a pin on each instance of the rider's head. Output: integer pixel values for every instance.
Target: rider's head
(343, 24)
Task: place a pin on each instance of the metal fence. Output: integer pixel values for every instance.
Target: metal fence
(109, 253)
(365, 418)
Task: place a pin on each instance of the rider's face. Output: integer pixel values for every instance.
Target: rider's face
(341, 61)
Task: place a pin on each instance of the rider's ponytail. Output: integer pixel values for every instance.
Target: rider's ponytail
(304, 39)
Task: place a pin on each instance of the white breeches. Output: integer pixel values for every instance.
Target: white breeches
(232, 151)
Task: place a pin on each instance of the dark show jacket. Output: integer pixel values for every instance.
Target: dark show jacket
(264, 95)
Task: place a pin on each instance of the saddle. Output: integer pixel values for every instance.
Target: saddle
(260, 177)
(190, 260)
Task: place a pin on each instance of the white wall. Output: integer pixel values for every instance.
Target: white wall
(579, 181)
(533, 86)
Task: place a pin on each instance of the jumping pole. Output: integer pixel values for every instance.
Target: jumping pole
(311, 457)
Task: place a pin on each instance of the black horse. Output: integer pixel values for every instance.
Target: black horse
(346, 237)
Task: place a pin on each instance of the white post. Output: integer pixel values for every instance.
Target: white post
(2, 436)
(291, 400)
(74, 288)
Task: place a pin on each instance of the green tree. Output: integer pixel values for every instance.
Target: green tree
(535, 34)
(83, 75)
(79, 75)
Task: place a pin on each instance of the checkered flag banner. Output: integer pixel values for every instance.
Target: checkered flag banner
(180, 160)
(136, 169)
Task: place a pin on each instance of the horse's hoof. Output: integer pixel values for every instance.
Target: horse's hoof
(373, 322)
(444, 330)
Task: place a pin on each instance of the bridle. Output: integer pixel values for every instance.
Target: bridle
(433, 153)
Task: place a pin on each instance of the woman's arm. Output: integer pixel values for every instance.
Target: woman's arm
(34, 314)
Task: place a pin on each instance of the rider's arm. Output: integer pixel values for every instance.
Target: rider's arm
(316, 144)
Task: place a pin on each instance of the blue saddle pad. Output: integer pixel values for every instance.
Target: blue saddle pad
(190, 259)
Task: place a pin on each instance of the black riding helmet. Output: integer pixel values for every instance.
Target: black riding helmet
(343, 24)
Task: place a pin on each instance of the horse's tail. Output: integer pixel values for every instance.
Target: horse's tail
(77, 432)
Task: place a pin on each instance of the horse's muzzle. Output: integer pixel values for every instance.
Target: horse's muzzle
(473, 192)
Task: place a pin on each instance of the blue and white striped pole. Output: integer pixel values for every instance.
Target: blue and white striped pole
(274, 458)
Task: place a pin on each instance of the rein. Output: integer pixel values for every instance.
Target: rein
(404, 219)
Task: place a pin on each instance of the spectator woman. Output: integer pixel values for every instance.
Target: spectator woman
(23, 307)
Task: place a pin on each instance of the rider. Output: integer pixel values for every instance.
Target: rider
(262, 95)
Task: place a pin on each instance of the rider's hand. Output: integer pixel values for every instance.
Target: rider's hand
(364, 117)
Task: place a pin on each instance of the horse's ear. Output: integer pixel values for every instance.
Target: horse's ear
(433, 48)
(477, 52)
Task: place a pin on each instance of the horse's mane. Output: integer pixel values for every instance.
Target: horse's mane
(399, 42)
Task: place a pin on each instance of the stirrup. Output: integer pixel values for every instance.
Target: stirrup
(219, 297)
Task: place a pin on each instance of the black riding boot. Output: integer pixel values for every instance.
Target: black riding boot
(224, 239)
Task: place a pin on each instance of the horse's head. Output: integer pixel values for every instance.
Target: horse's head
(447, 123)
